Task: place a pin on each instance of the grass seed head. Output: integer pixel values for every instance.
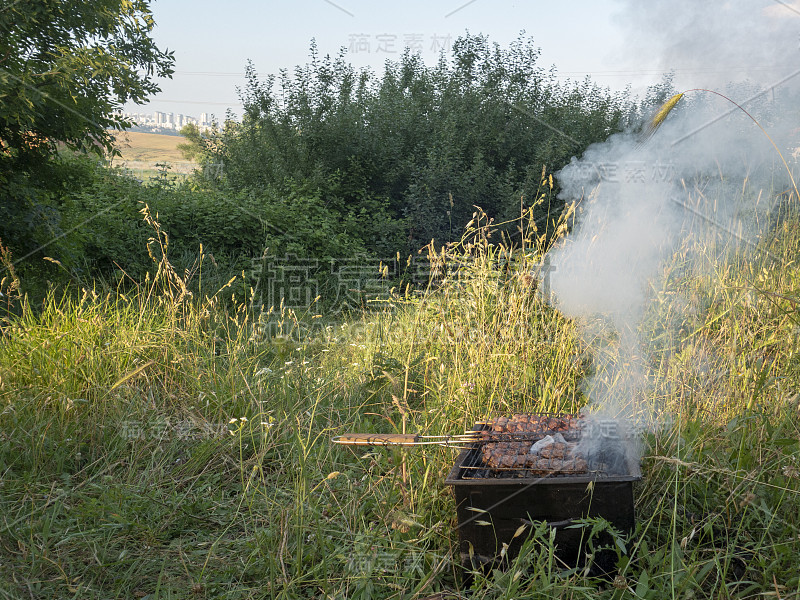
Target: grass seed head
(659, 117)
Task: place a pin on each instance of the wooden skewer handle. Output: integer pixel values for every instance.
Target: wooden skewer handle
(376, 439)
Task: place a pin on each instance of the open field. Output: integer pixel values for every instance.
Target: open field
(161, 446)
(149, 147)
(143, 153)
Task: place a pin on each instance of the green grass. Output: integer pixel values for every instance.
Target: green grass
(156, 445)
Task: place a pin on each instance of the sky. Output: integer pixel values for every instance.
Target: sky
(616, 42)
(213, 41)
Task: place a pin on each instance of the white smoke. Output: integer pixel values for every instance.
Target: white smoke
(714, 42)
(709, 172)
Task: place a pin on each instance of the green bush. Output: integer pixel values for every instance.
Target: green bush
(421, 144)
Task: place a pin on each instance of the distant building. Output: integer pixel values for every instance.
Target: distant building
(169, 123)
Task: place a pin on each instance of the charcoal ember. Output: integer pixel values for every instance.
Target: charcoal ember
(609, 457)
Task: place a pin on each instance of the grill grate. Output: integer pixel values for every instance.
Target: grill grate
(474, 467)
(540, 445)
(549, 448)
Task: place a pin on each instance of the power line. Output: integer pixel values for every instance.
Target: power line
(212, 73)
(557, 74)
(155, 100)
(607, 72)
(698, 70)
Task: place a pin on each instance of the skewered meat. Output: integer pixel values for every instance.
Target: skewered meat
(554, 458)
(539, 453)
(569, 425)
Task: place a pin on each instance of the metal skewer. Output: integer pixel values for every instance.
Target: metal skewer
(401, 439)
(410, 439)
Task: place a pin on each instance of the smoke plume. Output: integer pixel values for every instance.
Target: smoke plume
(708, 174)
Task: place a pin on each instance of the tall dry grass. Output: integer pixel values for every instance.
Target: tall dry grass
(162, 445)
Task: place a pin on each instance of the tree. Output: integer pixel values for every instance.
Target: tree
(66, 68)
(193, 148)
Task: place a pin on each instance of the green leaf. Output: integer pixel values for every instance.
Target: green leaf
(643, 585)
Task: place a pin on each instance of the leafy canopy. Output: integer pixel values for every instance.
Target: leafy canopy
(424, 143)
(65, 67)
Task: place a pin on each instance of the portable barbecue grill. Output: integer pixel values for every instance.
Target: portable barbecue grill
(526, 468)
(509, 483)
